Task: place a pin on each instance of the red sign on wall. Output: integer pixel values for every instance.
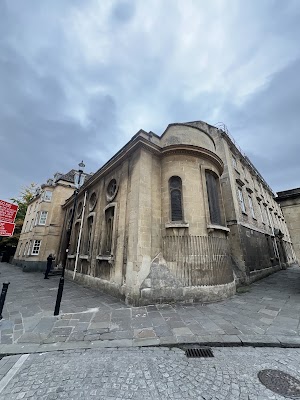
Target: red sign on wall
(8, 211)
(6, 228)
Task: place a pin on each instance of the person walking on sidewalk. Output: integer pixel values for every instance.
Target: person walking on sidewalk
(50, 258)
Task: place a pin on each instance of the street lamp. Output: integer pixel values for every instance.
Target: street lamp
(78, 181)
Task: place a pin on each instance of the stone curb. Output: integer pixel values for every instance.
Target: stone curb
(212, 341)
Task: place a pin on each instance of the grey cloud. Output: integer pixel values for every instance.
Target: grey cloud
(269, 123)
(123, 11)
(57, 108)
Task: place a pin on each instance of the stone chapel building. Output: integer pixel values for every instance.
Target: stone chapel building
(179, 217)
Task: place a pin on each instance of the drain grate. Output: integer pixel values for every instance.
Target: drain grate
(280, 382)
(197, 353)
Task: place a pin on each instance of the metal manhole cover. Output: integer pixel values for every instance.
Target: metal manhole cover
(280, 382)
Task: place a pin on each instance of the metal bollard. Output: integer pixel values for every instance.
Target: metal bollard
(59, 295)
(2, 297)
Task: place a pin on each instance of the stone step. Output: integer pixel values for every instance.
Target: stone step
(56, 271)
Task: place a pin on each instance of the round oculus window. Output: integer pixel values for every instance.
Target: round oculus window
(111, 189)
(92, 201)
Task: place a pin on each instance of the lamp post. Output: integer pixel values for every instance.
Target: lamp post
(78, 182)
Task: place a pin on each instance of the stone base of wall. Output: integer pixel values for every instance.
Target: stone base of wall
(202, 294)
(97, 283)
(262, 273)
(31, 266)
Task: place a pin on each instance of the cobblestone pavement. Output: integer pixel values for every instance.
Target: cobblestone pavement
(146, 374)
(267, 312)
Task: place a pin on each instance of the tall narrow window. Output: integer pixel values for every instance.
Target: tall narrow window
(89, 235)
(234, 162)
(36, 247)
(25, 248)
(109, 220)
(75, 238)
(212, 184)
(47, 195)
(29, 247)
(31, 224)
(241, 199)
(175, 185)
(261, 213)
(251, 205)
(36, 218)
(20, 248)
(43, 217)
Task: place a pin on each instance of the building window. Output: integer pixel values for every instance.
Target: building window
(47, 195)
(212, 184)
(89, 235)
(36, 219)
(241, 199)
(92, 201)
(261, 213)
(36, 247)
(31, 224)
(20, 248)
(234, 162)
(175, 185)
(111, 190)
(79, 209)
(267, 219)
(29, 247)
(76, 237)
(43, 217)
(251, 205)
(109, 222)
(25, 248)
(26, 225)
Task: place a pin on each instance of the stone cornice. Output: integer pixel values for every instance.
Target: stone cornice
(195, 151)
(140, 142)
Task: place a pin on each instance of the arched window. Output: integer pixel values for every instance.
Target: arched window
(175, 185)
(89, 235)
(212, 184)
(109, 221)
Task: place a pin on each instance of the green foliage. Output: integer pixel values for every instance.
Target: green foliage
(26, 195)
(24, 198)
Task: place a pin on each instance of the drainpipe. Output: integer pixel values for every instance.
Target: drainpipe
(79, 236)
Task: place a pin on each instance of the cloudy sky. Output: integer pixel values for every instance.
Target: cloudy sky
(79, 78)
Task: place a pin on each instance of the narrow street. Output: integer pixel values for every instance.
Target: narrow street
(267, 312)
(145, 374)
(98, 347)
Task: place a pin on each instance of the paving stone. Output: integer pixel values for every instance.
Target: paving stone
(149, 373)
(144, 333)
(271, 307)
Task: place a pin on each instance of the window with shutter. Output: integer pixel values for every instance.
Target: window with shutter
(175, 185)
(212, 184)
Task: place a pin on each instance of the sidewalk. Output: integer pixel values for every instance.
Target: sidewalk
(267, 314)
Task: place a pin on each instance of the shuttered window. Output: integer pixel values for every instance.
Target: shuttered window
(212, 184)
(175, 185)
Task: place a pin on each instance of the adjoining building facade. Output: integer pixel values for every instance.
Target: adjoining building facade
(260, 242)
(180, 217)
(289, 201)
(43, 222)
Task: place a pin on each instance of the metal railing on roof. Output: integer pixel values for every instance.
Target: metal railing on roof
(225, 132)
